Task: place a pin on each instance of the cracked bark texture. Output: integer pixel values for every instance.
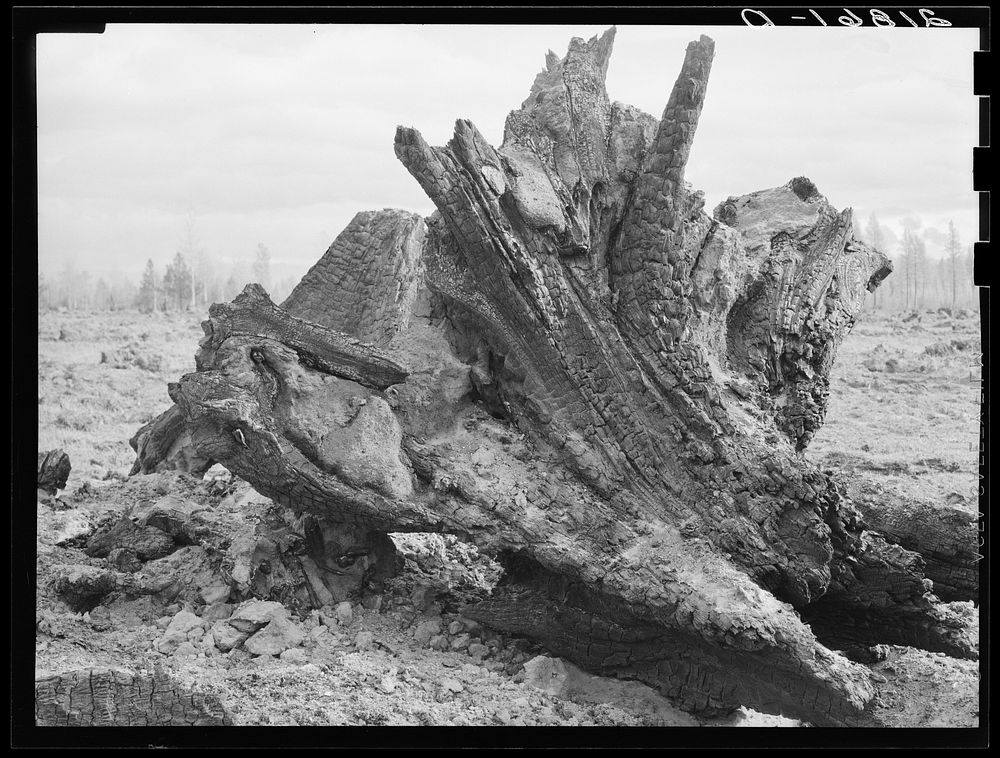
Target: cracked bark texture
(946, 536)
(53, 470)
(651, 374)
(374, 266)
(109, 697)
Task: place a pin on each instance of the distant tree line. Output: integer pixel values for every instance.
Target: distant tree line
(918, 281)
(191, 281)
(188, 282)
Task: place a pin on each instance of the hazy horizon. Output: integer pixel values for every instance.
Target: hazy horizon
(280, 134)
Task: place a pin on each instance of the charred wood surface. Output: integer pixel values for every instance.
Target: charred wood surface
(946, 536)
(109, 697)
(53, 470)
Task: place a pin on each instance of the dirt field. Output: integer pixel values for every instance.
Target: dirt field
(90, 409)
(904, 409)
(904, 405)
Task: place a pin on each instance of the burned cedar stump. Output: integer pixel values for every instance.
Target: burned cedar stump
(575, 367)
(53, 471)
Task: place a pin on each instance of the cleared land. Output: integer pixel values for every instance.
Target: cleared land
(904, 410)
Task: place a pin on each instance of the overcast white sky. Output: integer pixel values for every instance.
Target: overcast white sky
(280, 134)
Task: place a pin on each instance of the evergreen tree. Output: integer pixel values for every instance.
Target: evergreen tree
(911, 260)
(103, 299)
(189, 276)
(83, 290)
(147, 289)
(69, 284)
(920, 271)
(177, 282)
(968, 266)
(953, 250)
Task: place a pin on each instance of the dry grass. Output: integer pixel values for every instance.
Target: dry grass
(904, 405)
(90, 409)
